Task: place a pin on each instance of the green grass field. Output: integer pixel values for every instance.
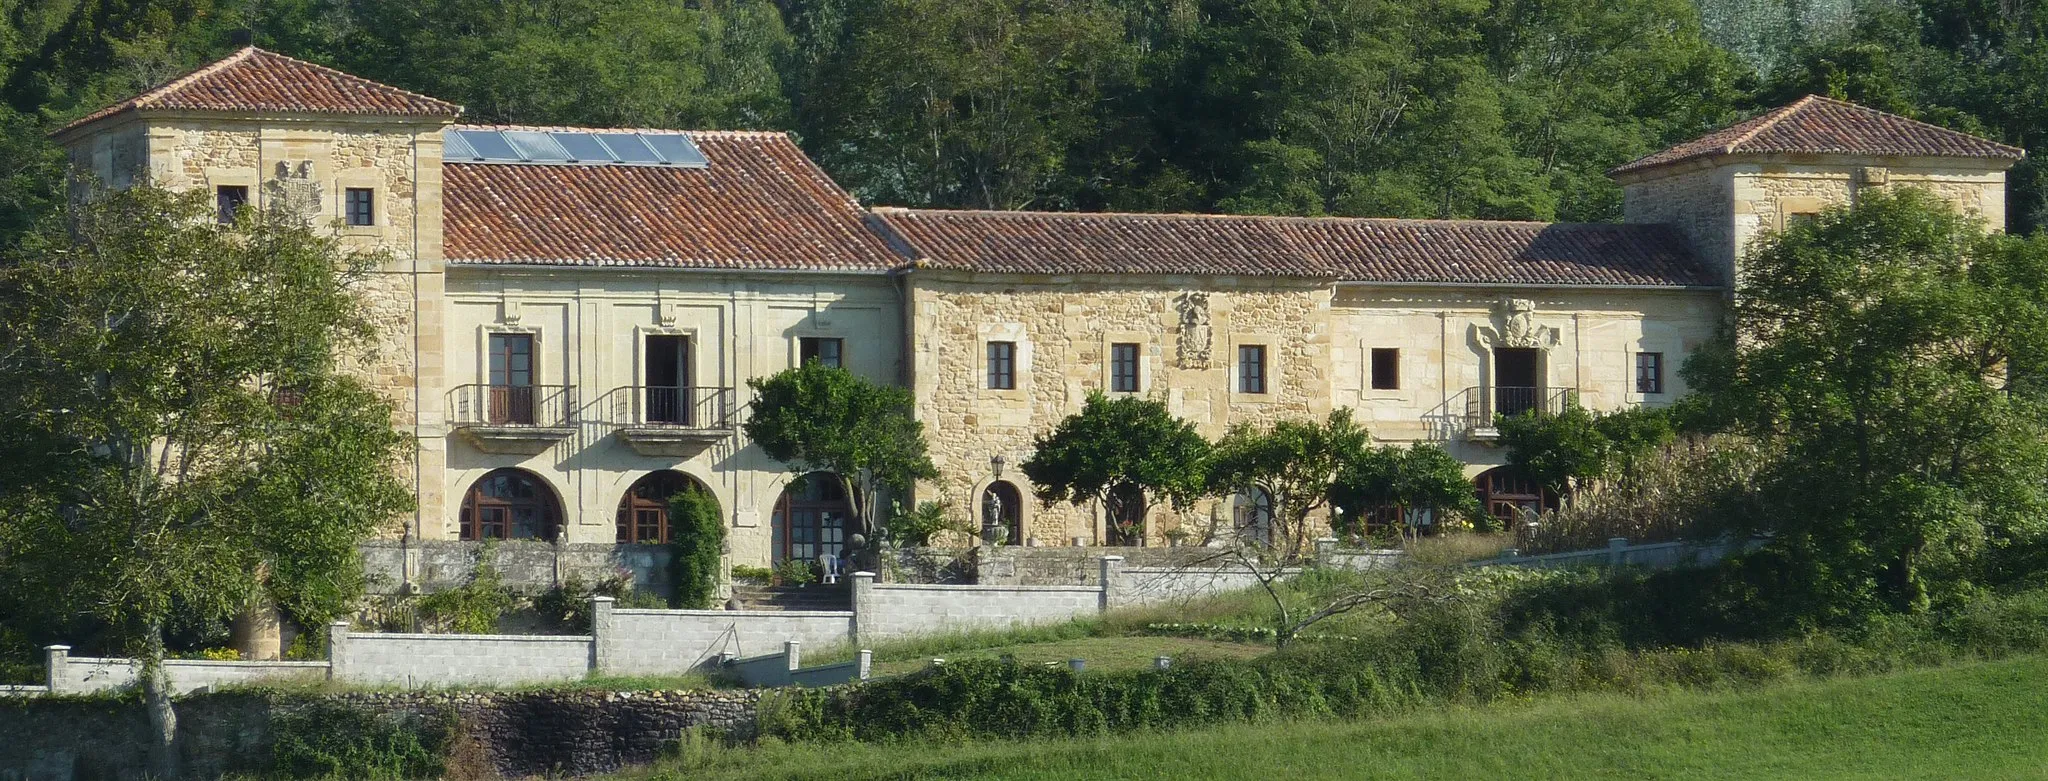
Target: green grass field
(1974, 721)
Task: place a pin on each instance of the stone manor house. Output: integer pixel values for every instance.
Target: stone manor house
(569, 316)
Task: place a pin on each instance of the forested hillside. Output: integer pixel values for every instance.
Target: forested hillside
(1419, 108)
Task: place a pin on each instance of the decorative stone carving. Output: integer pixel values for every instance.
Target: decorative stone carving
(1518, 328)
(1195, 331)
(294, 190)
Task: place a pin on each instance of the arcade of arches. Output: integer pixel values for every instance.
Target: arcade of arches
(510, 504)
(811, 518)
(644, 510)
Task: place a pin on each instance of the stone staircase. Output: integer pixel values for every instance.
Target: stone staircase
(811, 597)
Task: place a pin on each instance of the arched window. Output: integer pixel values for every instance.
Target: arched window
(1251, 514)
(1002, 507)
(643, 511)
(1512, 498)
(812, 517)
(510, 504)
(1126, 515)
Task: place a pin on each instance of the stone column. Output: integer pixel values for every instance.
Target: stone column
(1617, 551)
(1326, 549)
(604, 636)
(337, 650)
(867, 663)
(57, 674)
(793, 653)
(863, 606)
(1112, 577)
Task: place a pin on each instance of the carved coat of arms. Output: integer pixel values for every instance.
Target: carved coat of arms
(1195, 331)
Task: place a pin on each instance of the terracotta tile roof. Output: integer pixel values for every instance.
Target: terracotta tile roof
(1818, 125)
(761, 204)
(254, 81)
(1349, 249)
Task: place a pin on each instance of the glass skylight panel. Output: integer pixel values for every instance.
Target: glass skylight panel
(628, 148)
(534, 145)
(490, 146)
(676, 149)
(582, 147)
(454, 148)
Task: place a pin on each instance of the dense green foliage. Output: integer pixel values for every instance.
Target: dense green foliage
(1468, 108)
(1564, 450)
(824, 418)
(1889, 364)
(699, 548)
(1297, 463)
(1128, 453)
(327, 739)
(1422, 475)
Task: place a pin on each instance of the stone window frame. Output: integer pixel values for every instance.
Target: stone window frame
(1655, 338)
(370, 179)
(246, 178)
(1275, 368)
(1404, 390)
(483, 351)
(1797, 205)
(1146, 361)
(796, 346)
(638, 370)
(1021, 360)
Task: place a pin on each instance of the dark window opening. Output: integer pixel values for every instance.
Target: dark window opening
(227, 199)
(1251, 368)
(1123, 368)
(1002, 365)
(1649, 372)
(824, 350)
(359, 205)
(1386, 368)
(812, 515)
(668, 380)
(511, 378)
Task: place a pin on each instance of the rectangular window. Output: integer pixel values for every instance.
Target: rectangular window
(1002, 365)
(1251, 368)
(359, 205)
(1386, 368)
(1123, 368)
(1649, 372)
(821, 349)
(226, 199)
(511, 391)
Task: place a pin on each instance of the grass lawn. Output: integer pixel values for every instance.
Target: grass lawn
(1102, 653)
(1981, 720)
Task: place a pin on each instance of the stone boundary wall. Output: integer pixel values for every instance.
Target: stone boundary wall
(898, 611)
(413, 660)
(1016, 565)
(1619, 553)
(1146, 586)
(500, 734)
(657, 642)
(407, 566)
(69, 674)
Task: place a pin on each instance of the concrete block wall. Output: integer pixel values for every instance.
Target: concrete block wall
(1142, 586)
(655, 642)
(887, 612)
(438, 660)
(525, 565)
(69, 674)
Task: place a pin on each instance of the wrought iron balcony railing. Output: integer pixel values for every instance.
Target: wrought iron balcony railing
(544, 406)
(687, 406)
(1484, 406)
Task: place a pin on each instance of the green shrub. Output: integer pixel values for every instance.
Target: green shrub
(325, 739)
(796, 573)
(748, 573)
(472, 608)
(698, 547)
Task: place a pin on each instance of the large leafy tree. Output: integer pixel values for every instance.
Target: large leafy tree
(824, 418)
(181, 435)
(1423, 476)
(1129, 454)
(1890, 352)
(1294, 462)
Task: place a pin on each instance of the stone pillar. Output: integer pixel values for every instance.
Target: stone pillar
(337, 650)
(1326, 549)
(867, 664)
(604, 636)
(1617, 551)
(793, 653)
(257, 631)
(863, 606)
(1112, 577)
(57, 674)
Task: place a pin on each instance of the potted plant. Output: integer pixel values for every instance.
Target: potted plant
(792, 572)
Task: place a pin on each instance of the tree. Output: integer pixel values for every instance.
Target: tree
(185, 440)
(1296, 464)
(1422, 476)
(1889, 359)
(1127, 453)
(699, 547)
(1574, 448)
(817, 417)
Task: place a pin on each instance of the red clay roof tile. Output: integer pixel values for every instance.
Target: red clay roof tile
(1348, 249)
(761, 204)
(254, 81)
(1818, 125)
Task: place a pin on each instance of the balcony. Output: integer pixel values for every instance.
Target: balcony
(513, 419)
(1485, 406)
(672, 421)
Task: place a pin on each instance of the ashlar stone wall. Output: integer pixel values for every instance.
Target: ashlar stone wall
(1188, 331)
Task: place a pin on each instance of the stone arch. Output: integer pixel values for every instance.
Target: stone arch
(1511, 497)
(643, 514)
(1001, 506)
(811, 517)
(510, 504)
(1251, 514)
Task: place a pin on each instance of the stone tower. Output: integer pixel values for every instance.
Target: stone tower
(1723, 189)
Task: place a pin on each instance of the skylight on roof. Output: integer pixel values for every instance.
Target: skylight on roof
(571, 147)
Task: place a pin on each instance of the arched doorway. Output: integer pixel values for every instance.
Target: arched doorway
(812, 516)
(1251, 515)
(510, 504)
(1126, 515)
(1512, 498)
(643, 511)
(1002, 507)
